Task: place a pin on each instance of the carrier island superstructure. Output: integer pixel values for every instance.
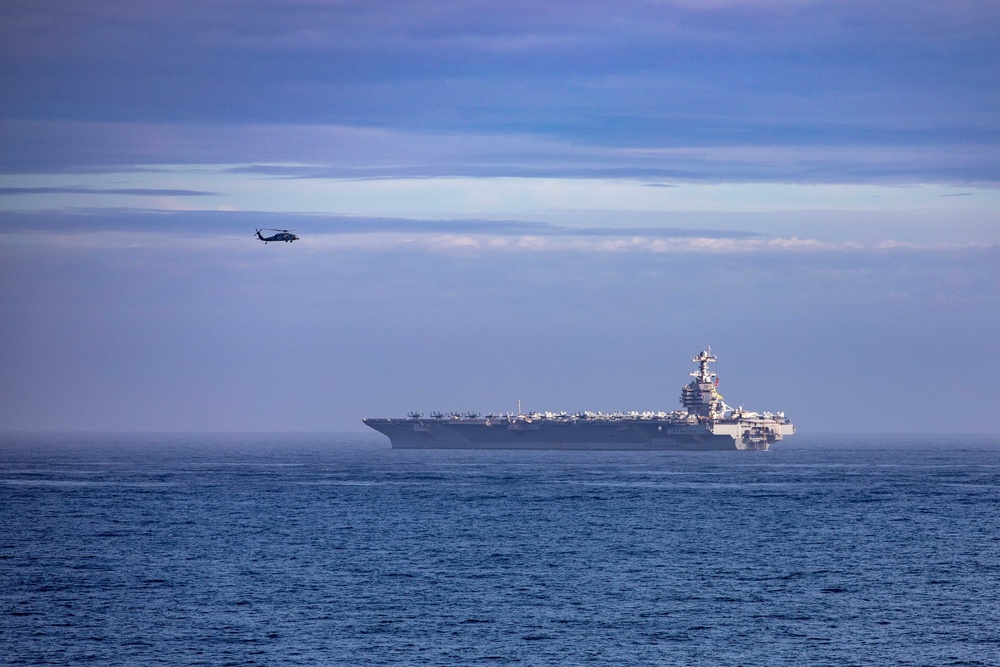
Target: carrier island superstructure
(704, 423)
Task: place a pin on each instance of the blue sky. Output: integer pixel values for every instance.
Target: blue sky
(557, 202)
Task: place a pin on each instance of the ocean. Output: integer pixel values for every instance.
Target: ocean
(333, 549)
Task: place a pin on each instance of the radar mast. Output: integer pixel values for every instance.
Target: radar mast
(703, 360)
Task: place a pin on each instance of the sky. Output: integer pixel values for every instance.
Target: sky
(558, 203)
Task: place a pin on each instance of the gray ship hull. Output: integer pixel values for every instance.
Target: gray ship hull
(638, 435)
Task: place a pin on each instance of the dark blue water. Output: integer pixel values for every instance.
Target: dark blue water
(335, 550)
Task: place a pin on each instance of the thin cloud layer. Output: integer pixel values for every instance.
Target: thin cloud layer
(137, 192)
(325, 233)
(338, 152)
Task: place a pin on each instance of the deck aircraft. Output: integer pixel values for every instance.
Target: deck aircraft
(282, 235)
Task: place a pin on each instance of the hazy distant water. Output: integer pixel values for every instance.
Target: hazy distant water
(335, 550)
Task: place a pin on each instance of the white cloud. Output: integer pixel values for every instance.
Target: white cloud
(588, 245)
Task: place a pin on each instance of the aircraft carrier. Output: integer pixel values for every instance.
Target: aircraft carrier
(704, 423)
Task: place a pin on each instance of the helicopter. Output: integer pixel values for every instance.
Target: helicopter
(282, 235)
